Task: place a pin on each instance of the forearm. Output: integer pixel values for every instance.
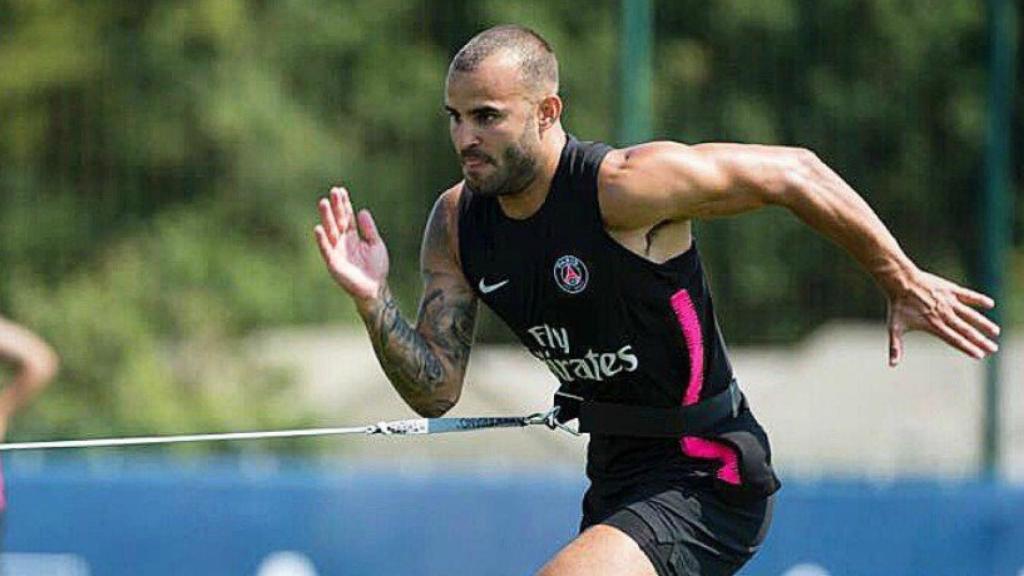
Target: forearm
(820, 197)
(20, 391)
(415, 370)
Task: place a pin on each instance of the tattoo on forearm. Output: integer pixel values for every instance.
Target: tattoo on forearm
(451, 320)
(405, 356)
(414, 368)
(426, 363)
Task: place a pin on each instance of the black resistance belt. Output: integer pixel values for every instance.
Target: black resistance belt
(648, 421)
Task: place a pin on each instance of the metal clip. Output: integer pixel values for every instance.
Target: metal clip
(550, 420)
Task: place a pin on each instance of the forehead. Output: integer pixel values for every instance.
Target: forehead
(496, 80)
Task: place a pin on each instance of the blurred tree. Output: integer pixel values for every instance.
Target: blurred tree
(888, 92)
(160, 183)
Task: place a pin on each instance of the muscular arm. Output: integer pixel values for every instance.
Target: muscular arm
(651, 183)
(426, 363)
(667, 181)
(35, 363)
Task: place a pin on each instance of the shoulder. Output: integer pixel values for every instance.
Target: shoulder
(441, 237)
(626, 168)
(634, 184)
(447, 203)
(450, 198)
(448, 206)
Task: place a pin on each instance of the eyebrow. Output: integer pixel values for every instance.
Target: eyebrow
(477, 110)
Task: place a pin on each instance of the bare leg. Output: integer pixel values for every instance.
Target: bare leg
(600, 551)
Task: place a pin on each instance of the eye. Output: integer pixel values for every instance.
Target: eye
(488, 117)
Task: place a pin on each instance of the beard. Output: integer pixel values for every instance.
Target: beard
(517, 169)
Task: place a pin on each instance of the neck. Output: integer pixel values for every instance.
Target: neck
(524, 204)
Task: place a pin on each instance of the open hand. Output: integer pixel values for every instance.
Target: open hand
(357, 260)
(945, 309)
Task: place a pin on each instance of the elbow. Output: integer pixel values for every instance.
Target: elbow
(437, 404)
(42, 368)
(800, 167)
(435, 408)
(50, 364)
(807, 162)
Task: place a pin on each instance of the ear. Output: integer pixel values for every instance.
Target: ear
(549, 111)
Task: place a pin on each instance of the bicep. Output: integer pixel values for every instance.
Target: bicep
(448, 307)
(447, 318)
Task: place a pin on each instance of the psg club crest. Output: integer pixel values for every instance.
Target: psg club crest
(571, 274)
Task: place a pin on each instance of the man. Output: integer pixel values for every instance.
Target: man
(585, 251)
(35, 365)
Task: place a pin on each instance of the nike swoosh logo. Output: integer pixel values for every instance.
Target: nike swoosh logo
(488, 288)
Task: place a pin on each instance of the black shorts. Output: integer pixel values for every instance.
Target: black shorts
(686, 530)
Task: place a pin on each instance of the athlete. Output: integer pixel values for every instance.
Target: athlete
(585, 251)
(35, 365)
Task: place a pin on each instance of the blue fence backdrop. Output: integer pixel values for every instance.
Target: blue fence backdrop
(119, 517)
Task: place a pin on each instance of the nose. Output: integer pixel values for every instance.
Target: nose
(464, 136)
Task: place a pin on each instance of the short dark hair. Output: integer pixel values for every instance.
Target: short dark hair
(538, 65)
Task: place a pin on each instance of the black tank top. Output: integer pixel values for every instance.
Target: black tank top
(608, 323)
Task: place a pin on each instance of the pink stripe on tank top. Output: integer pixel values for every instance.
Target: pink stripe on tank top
(686, 314)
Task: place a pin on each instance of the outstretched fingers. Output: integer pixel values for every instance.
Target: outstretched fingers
(957, 340)
(968, 296)
(335, 228)
(970, 323)
(946, 310)
(977, 319)
(982, 345)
